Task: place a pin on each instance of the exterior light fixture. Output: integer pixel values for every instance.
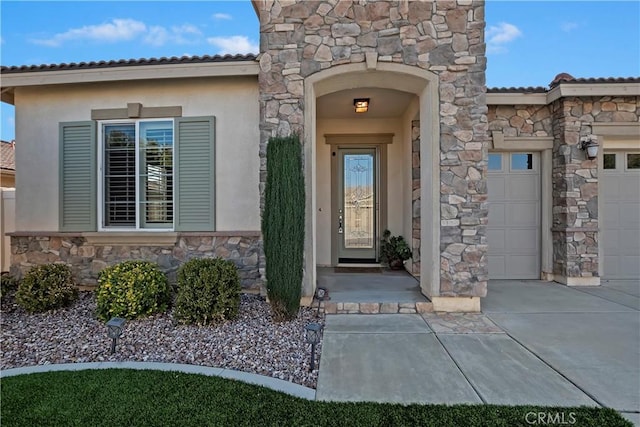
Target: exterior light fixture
(361, 105)
(312, 333)
(114, 330)
(590, 145)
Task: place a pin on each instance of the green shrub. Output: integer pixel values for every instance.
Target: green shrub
(46, 287)
(132, 289)
(208, 291)
(8, 285)
(283, 226)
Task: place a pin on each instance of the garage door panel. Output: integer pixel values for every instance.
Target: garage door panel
(497, 266)
(496, 189)
(498, 241)
(630, 185)
(629, 265)
(520, 267)
(523, 187)
(524, 213)
(620, 240)
(629, 217)
(630, 243)
(611, 214)
(497, 213)
(523, 240)
(612, 185)
(610, 237)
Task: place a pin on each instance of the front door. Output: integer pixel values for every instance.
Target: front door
(357, 205)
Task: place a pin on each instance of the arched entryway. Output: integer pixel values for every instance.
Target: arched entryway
(415, 93)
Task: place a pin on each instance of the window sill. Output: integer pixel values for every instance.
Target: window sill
(137, 238)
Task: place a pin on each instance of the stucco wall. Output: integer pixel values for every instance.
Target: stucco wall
(233, 101)
(396, 166)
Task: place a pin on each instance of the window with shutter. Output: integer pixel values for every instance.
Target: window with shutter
(139, 163)
(137, 174)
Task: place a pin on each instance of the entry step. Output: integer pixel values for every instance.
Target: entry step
(329, 307)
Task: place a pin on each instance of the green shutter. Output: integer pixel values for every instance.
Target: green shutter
(78, 181)
(194, 187)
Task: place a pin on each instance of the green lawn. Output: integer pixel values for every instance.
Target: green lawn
(121, 397)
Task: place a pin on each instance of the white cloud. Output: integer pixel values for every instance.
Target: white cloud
(567, 27)
(222, 16)
(499, 35)
(233, 44)
(184, 34)
(114, 31)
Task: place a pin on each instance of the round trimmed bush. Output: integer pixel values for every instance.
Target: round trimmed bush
(46, 287)
(208, 291)
(132, 289)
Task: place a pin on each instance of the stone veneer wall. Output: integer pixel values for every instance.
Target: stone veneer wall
(520, 120)
(415, 197)
(87, 260)
(300, 38)
(575, 178)
(575, 181)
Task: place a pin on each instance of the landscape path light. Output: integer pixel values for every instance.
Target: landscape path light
(312, 333)
(114, 329)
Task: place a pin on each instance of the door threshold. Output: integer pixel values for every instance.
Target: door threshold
(360, 265)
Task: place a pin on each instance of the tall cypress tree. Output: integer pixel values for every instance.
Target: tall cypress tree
(283, 226)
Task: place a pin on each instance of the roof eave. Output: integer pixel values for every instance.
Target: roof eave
(127, 73)
(564, 90)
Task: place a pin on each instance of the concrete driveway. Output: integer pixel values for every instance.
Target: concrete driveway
(535, 343)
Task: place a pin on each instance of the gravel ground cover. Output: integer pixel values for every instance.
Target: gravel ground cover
(251, 343)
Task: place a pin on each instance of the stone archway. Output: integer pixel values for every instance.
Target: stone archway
(387, 76)
(435, 50)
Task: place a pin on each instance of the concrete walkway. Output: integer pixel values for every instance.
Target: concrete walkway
(535, 343)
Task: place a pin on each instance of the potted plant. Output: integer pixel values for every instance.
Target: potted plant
(394, 250)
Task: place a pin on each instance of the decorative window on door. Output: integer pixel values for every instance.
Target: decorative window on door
(359, 203)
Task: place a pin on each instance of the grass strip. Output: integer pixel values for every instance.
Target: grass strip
(124, 397)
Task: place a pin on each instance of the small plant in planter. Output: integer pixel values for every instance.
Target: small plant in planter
(394, 250)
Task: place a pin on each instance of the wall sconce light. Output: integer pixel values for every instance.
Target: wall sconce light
(361, 105)
(312, 333)
(590, 145)
(114, 330)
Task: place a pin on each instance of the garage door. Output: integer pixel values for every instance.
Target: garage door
(621, 215)
(513, 232)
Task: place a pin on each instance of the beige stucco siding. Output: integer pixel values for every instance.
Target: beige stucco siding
(396, 166)
(233, 101)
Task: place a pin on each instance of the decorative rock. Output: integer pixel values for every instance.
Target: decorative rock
(251, 343)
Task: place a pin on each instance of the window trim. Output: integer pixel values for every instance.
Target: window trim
(534, 162)
(626, 162)
(100, 175)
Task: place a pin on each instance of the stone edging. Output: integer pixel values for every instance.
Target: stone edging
(272, 383)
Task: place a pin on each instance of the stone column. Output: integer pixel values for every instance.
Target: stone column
(575, 198)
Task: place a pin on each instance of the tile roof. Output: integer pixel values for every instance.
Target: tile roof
(128, 63)
(7, 155)
(530, 89)
(563, 78)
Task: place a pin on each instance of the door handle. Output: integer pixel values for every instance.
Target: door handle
(340, 224)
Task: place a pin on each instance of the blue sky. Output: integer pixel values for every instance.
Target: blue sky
(528, 43)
